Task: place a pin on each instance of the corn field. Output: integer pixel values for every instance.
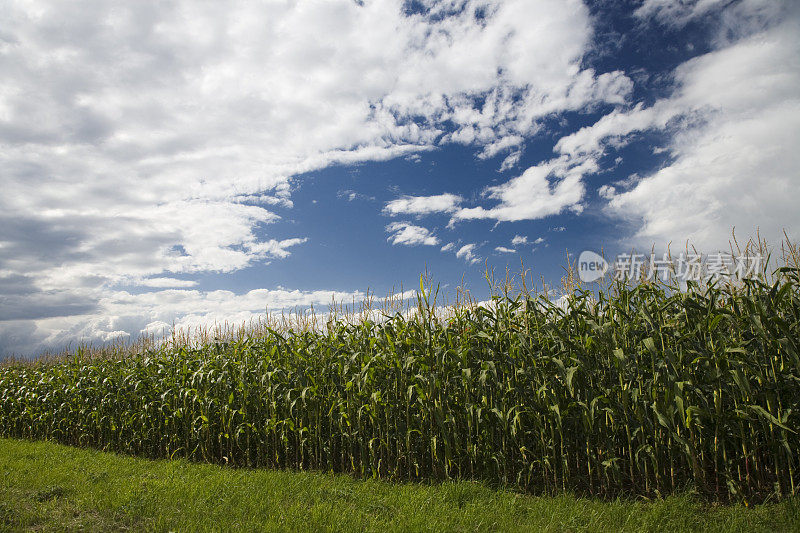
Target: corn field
(638, 390)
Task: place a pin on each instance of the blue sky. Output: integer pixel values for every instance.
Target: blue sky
(184, 165)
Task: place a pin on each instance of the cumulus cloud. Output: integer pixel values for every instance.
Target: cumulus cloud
(733, 122)
(504, 250)
(519, 239)
(677, 12)
(410, 235)
(423, 205)
(467, 252)
(735, 15)
(730, 123)
(542, 190)
(274, 248)
(166, 282)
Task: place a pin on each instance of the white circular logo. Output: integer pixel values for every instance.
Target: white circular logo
(591, 266)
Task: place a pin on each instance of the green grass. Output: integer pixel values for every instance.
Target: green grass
(50, 487)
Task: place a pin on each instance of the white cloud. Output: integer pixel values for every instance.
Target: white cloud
(504, 144)
(504, 250)
(543, 190)
(734, 123)
(467, 252)
(733, 116)
(281, 201)
(423, 205)
(677, 12)
(410, 235)
(351, 195)
(735, 17)
(519, 239)
(274, 248)
(614, 128)
(511, 160)
(539, 240)
(161, 283)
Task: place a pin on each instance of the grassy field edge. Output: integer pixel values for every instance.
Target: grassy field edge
(51, 487)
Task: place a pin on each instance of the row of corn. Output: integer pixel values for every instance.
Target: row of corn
(633, 390)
